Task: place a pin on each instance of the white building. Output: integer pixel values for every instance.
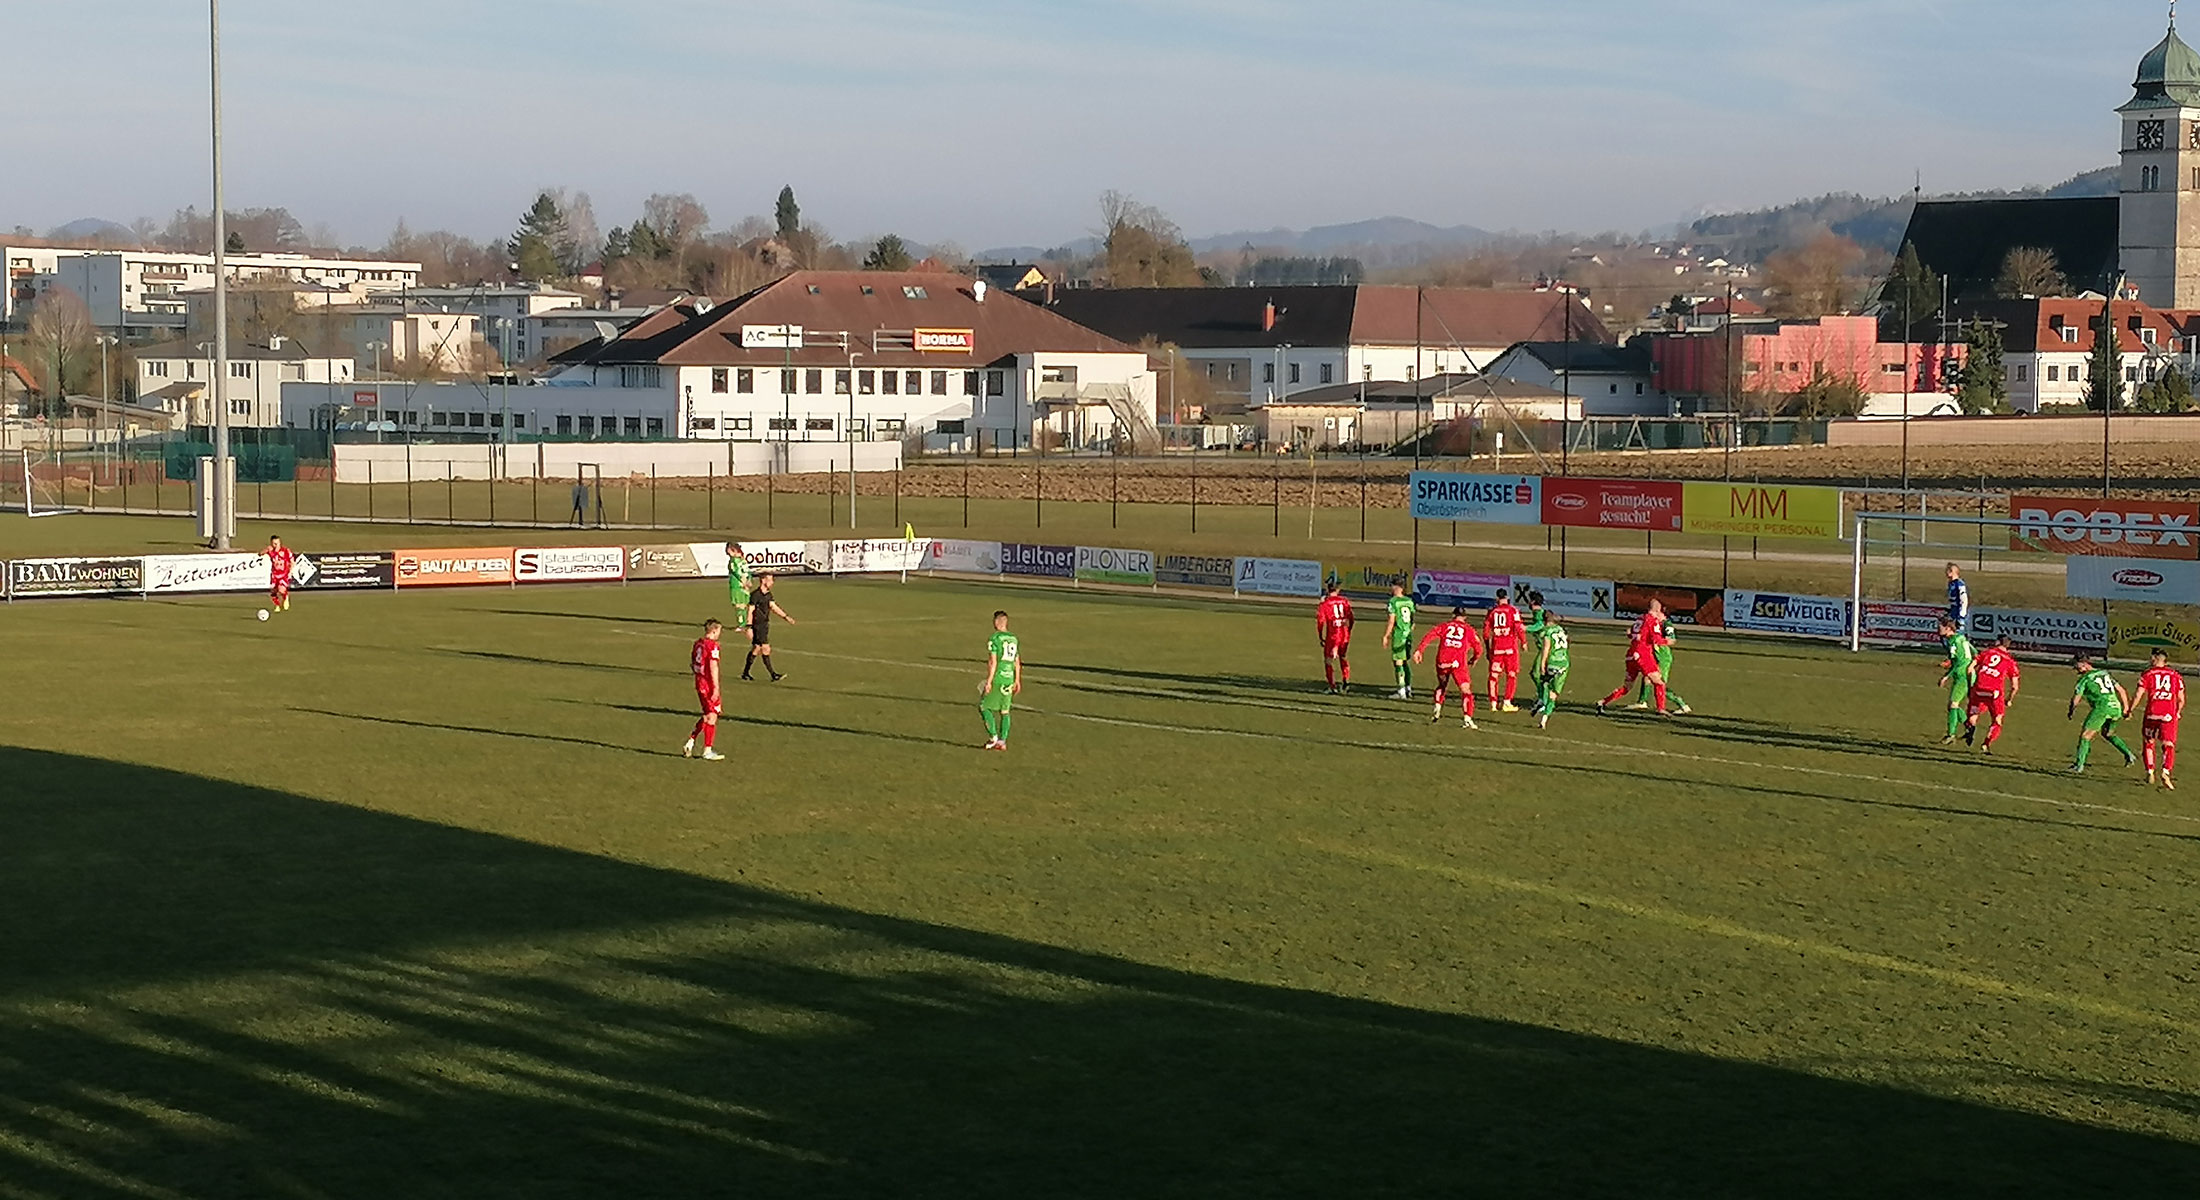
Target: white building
(173, 376)
(1610, 381)
(401, 336)
(29, 270)
(2048, 346)
(140, 292)
(1261, 345)
(552, 333)
(506, 313)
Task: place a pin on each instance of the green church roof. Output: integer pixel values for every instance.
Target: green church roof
(2169, 76)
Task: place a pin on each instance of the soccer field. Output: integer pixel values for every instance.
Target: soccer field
(413, 895)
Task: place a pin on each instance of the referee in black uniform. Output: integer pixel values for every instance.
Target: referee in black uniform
(762, 608)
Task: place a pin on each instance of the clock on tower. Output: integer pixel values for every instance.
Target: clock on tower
(2151, 134)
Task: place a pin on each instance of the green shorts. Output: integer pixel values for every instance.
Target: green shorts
(739, 598)
(1401, 650)
(997, 700)
(2100, 719)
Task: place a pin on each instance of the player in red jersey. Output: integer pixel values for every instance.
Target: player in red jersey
(2162, 690)
(1642, 659)
(1504, 633)
(703, 662)
(280, 562)
(1333, 621)
(1455, 654)
(1995, 681)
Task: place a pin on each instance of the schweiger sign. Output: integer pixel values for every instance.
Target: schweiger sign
(2115, 528)
(1754, 510)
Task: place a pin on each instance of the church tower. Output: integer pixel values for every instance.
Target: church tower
(2160, 185)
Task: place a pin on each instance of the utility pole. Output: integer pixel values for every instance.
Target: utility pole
(224, 500)
(853, 355)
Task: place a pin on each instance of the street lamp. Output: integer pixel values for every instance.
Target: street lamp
(225, 502)
(107, 397)
(853, 355)
(378, 348)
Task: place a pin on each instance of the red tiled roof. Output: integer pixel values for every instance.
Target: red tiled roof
(1384, 314)
(22, 373)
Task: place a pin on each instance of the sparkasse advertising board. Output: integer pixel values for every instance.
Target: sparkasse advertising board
(2114, 528)
(1481, 499)
(569, 564)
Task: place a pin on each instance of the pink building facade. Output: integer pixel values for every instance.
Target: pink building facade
(1781, 358)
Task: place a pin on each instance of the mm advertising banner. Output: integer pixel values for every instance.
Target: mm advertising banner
(1757, 510)
(2056, 633)
(676, 560)
(2143, 580)
(2136, 632)
(2114, 528)
(28, 577)
(569, 564)
(1683, 605)
(1367, 581)
(453, 568)
(1574, 599)
(1045, 562)
(332, 572)
(1897, 623)
(1777, 612)
(1102, 564)
(1612, 504)
(1279, 577)
(1445, 589)
(1195, 570)
(208, 573)
(963, 556)
(1482, 499)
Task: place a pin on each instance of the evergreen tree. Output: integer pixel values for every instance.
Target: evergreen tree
(615, 246)
(1911, 290)
(788, 215)
(2104, 368)
(1983, 380)
(234, 243)
(2172, 393)
(889, 254)
(535, 248)
(643, 241)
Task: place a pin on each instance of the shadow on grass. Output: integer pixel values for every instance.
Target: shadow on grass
(214, 990)
(734, 719)
(520, 734)
(605, 618)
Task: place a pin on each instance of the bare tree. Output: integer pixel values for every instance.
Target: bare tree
(584, 241)
(1142, 247)
(1815, 279)
(678, 219)
(2030, 271)
(60, 345)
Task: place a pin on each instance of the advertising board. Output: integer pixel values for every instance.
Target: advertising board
(1367, 581)
(2135, 633)
(343, 572)
(1195, 570)
(1046, 562)
(445, 567)
(1779, 612)
(2031, 632)
(1483, 499)
(943, 341)
(675, 560)
(1444, 589)
(1683, 605)
(1612, 504)
(1899, 623)
(2140, 580)
(1759, 510)
(2115, 528)
(780, 558)
(1103, 564)
(963, 556)
(859, 556)
(28, 577)
(1279, 577)
(1574, 599)
(569, 564)
(208, 573)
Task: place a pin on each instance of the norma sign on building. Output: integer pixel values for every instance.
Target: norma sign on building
(944, 341)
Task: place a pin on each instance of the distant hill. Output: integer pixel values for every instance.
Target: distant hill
(1875, 223)
(1381, 233)
(93, 230)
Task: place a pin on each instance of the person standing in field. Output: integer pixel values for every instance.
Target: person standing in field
(740, 577)
(280, 563)
(1333, 621)
(1398, 632)
(1663, 654)
(1502, 632)
(1995, 681)
(1957, 672)
(1642, 660)
(1959, 599)
(703, 664)
(580, 502)
(762, 608)
(1004, 681)
(1553, 661)
(1533, 627)
(1457, 648)
(2163, 690)
(2106, 702)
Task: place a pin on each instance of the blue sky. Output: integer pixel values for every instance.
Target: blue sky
(996, 122)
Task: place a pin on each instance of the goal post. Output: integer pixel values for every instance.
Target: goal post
(40, 475)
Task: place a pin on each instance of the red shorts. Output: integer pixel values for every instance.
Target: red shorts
(1507, 661)
(2160, 728)
(708, 697)
(1641, 663)
(1993, 703)
(1336, 641)
(279, 589)
(1453, 676)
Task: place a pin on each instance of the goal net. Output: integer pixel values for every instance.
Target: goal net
(40, 481)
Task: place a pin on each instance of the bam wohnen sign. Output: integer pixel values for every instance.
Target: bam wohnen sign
(1752, 510)
(2111, 528)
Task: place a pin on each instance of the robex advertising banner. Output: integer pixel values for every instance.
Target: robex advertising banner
(1612, 504)
(1103, 564)
(453, 568)
(1756, 510)
(29, 577)
(1778, 612)
(2139, 580)
(1195, 570)
(2113, 528)
(208, 573)
(336, 572)
(569, 564)
(1482, 499)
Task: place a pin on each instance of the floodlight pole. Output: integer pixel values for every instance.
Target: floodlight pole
(2112, 390)
(224, 501)
(853, 355)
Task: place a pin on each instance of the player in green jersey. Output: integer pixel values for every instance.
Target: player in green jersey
(739, 578)
(1960, 668)
(1552, 663)
(1399, 633)
(1664, 655)
(1534, 625)
(1004, 678)
(2106, 702)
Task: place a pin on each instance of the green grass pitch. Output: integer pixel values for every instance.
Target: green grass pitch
(414, 896)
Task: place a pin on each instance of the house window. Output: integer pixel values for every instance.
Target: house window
(868, 290)
(818, 424)
(157, 369)
(1229, 372)
(843, 382)
(996, 383)
(780, 424)
(477, 420)
(813, 381)
(519, 420)
(240, 370)
(1615, 389)
(949, 427)
(702, 423)
(866, 383)
(718, 379)
(890, 382)
(1267, 372)
(939, 383)
(741, 424)
(1638, 389)
(2022, 369)
(890, 425)
(656, 428)
(913, 293)
(787, 381)
(1329, 372)
(588, 426)
(2131, 374)
(436, 418)
(496, 420)
(914, 384)
(970, 383)
(1890, 368)
(1294, 373)
(633, 426)
(2070, 334)
(2054, 374)
(744, 380)
(2146, 334)
(647, 376)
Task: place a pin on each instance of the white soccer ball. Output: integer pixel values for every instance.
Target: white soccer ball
(263, 614)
